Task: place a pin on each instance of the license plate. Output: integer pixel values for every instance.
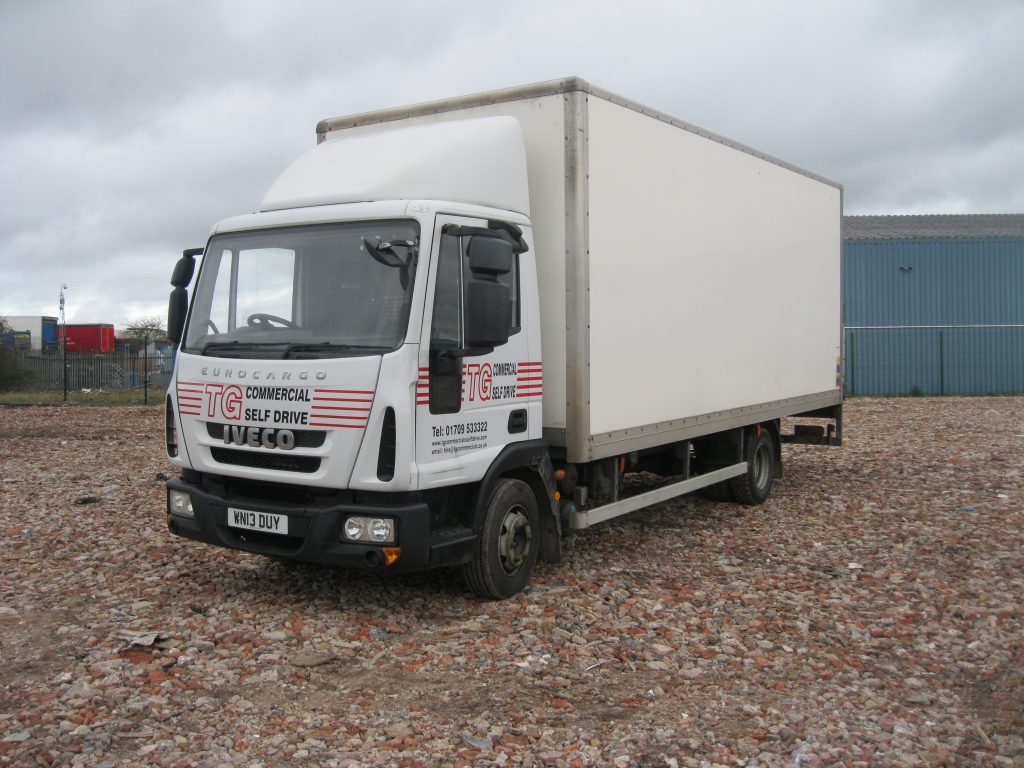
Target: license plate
(258, 521)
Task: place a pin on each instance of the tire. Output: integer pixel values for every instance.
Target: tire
(717, 492)
(755, 484)
(508, 545)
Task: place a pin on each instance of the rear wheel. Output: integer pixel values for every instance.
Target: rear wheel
(717, 492)
(755, 484)
(509, 542)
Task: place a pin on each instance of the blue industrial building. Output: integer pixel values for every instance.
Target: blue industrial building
(934, 305)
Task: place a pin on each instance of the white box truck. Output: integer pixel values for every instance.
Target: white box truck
(452, 328)
(42, 330)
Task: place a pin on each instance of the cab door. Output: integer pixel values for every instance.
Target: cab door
(469, 405)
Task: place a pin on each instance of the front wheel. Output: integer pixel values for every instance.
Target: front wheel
(509, 542)
(755, 484)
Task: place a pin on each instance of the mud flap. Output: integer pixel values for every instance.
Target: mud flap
(550, 521)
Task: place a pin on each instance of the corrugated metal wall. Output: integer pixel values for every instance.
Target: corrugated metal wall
(934, 316)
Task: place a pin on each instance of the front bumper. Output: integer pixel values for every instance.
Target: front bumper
(315, 532)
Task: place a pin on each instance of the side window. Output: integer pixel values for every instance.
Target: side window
(449, 294)
(221, 320)
(447, 328)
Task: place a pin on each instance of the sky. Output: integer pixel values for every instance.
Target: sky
(128, 127)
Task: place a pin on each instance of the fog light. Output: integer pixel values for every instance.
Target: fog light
(374, 530)
(180, 504)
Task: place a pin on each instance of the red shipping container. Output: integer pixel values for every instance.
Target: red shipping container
(88, 337)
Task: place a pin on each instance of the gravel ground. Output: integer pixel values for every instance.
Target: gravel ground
(868, 614)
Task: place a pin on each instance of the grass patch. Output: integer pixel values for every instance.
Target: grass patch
(82, 397)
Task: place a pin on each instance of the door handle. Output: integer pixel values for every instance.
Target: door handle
(517, 421)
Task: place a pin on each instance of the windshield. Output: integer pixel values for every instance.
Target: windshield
(328, 290)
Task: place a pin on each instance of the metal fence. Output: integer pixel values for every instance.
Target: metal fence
(117, 370)
(880, 360)
(935, 360)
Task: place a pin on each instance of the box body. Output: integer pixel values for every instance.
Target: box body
(688, 284)
(89, 337)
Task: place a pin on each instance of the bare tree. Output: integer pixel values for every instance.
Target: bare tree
(146, 329)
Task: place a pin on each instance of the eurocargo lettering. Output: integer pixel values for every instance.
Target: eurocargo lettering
(452, 329)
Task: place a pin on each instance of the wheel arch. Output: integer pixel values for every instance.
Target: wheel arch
(530, 462)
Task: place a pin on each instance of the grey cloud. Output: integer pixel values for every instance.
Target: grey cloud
(131, 125)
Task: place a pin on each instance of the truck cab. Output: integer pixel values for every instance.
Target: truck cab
(349, 373)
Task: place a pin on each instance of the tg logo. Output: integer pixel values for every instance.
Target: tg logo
(477, 379)
(225, 399)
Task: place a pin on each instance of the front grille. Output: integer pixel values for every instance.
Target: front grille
(304, 438)
(260, 460)
(236, 488)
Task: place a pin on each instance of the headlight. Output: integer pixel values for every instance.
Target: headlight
(180, 504)
(354, 528)
(376, 530)
(381, 530)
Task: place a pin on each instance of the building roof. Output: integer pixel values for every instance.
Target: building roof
(975, 225)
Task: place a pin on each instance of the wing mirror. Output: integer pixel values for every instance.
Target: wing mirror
(488, 302)
(177, 303)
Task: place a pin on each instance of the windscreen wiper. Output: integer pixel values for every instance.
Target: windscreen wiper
(220, 346)
(328, 346)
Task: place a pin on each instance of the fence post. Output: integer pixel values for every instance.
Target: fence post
(853, 366)
(65, 361)
(942, 364)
